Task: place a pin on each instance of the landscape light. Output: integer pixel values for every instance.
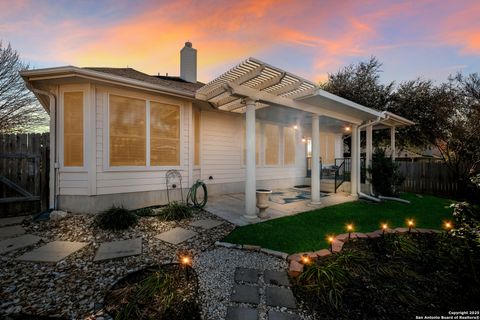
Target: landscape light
(306, 259)
(330, 240)
(350, 229)
(410, 223)
(186, 263)
(448, 225)
(384, 227)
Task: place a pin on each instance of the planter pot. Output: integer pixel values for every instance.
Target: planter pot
(263, 196)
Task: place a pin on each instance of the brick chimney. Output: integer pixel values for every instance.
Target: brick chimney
(188, 63)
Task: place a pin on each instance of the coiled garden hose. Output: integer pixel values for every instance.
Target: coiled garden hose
(192, 195)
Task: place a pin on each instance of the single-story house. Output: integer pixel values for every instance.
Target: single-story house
(116, 131)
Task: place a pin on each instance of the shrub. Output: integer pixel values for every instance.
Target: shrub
(176, 211)
(467, 223)
(386, 177)
(116, 218)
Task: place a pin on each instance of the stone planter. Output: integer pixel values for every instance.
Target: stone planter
(263, 196)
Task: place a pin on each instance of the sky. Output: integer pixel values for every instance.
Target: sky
(428, 39)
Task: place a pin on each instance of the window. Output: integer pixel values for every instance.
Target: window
(164, 134)
(289, 146)
(257, 143)
(272, 137)
(196, 124)
(73, 129)
(127, 131)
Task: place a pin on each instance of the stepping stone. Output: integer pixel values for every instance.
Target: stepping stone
(277, 315)
(118, 249)
(12, 220)
(176, 235)
(12, 231)
(206, 224)
(246, 275)
(245, 294)
(278, 278)
(241, 313)
(280, 297)
(53, 251)
(18, 243)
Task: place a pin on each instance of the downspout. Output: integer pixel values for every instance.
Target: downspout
(52, 108)
(359, 189)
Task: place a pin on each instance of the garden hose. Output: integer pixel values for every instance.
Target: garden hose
(192, 195)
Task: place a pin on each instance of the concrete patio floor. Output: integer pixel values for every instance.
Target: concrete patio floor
(231, 207)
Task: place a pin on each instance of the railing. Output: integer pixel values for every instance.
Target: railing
(344, 170)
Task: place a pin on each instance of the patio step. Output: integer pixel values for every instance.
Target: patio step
(326, 185)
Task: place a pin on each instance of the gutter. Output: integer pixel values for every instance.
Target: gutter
(53, 145)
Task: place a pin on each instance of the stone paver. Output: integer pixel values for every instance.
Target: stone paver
(241, 313)
(11, 221)
(277, 315)
(118, 249)
(278, 278)
(11, 231)
(176, 235)
(280, 297)
(337, 246)
(18, 243)
(245, 294)
(246, 275)
(53, 251)
(206, 224)
(323, 253)
(295, 268)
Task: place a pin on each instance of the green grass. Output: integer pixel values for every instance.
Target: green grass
(308, 231)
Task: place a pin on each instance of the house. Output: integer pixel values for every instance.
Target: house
(116, 131)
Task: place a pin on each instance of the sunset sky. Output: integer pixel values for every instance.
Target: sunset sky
(430, 39)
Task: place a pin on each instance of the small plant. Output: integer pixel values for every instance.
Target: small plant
(116, 218)
(176, 211)
(144, 212)
(386, 178)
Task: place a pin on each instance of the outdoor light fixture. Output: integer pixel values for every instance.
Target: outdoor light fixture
(349, 229)
(295, 127)
(186, 263)
(304, 140)
(347, 128)
(410, 225)
(330, 240)
(448, 225)
(384, 227)
(305, 259)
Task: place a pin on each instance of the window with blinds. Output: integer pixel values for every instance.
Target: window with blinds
(73, 129)
(289, 146)
(196, 124)
(272, 136)
(127, 131)
(164, 134)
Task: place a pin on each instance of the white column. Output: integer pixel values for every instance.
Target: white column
(355, 155)
(368, 151)
(392, 142)
(53, 150)
(250, 175)
(315, 178)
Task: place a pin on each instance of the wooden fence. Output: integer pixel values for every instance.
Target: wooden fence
(427, 177)
(24, 168)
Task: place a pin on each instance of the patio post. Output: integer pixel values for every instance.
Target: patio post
(355, 161)
(369, 150)
(315, 177)
(250, 175)
(392, 142)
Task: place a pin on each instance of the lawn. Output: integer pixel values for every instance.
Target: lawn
(308, 231)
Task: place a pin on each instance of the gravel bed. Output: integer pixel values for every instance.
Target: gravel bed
(216, 268)
(74, 288)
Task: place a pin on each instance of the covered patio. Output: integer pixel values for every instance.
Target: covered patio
(261, 91)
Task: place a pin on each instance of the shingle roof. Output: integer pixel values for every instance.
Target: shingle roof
(166, 81)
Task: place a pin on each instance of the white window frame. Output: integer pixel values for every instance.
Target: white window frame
(85, 89)
(147, 99)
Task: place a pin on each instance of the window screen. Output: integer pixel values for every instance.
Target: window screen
(289, 146)
(73, 129)
(164, 134)
(127, 130)
(272, 135)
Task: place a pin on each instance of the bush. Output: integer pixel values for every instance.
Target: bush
(176, 211)
(116, 218)
(386, 177)
(467, 223)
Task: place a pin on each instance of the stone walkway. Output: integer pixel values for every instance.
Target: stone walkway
(254, 288)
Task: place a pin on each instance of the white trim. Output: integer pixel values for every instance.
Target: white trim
(191, 142)
(92, 147)
(147, 99)
(85, 89)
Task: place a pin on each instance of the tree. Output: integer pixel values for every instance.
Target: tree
(19, 109)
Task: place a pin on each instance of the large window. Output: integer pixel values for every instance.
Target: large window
(272, 138)
(164, 134)
(196, 124)
(73, 129)
(127, 130)
(289, 146)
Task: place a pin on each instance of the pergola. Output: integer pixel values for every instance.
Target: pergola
(253, 85)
